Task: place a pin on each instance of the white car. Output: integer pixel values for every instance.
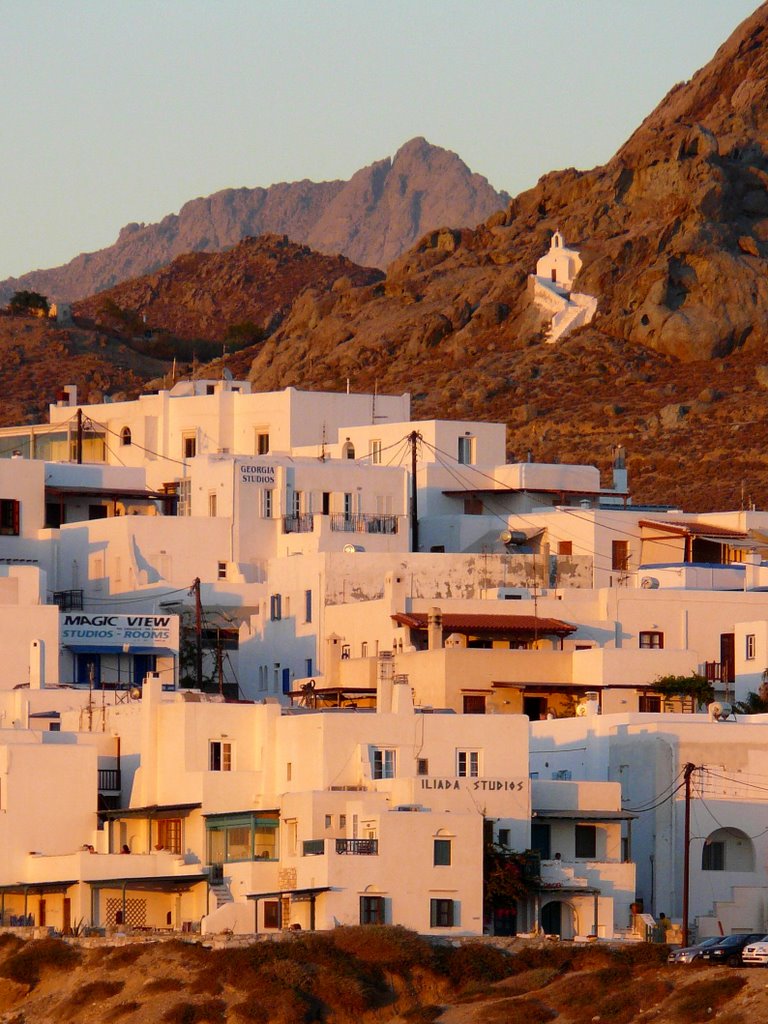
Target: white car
(756, 953)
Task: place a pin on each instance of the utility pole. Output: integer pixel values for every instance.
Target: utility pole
(688, 770)
(198, 633)
(413, 438)
(79, 438)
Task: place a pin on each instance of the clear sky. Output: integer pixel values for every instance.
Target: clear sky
(122, 110)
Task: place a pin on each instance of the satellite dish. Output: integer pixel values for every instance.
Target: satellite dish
(720, 710)
(505, 536)
(649, 583)
(349, 549)
(135, 693)
(581, 710)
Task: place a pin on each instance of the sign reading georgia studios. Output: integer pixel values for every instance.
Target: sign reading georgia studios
(79, 629)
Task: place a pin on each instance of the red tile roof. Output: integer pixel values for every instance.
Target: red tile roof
(694, 529)
(460, 623)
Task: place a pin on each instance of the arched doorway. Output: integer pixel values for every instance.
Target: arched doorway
(558, 918)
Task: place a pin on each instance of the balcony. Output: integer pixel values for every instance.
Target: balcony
(361, 847)
(363, 522)
(68, 600)
(109, 780)
(299, 524)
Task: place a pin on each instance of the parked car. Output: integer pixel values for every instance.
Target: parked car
(687, 954)
(729, 950)
(756, 953)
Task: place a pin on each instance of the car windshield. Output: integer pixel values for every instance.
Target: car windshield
(731, 940)
(713, 941)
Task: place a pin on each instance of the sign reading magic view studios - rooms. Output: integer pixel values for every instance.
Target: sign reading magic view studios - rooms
(127, 632)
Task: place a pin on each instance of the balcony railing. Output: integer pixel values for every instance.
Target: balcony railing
(363, 522)
(299, 524)
(68, 600)
(314, 847)
(719, 672)
(109, 780)
(362, 847)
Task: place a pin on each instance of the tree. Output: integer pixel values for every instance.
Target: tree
(506, 876)
(28, 302)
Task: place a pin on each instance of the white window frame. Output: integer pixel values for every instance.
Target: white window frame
(465, 450)
(384, 762)
(221, 752)
(468, 764)
(374, 449)
(750, 647)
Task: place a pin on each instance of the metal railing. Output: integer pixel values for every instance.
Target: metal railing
(68, 600)
(299, 524)
(109, 780)
(363, 847)
(363, 522)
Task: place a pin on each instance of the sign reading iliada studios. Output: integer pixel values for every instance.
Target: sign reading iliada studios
(79, 629)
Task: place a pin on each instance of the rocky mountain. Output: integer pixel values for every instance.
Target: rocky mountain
(372, 218)
(220, 296)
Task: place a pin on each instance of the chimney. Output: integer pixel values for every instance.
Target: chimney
(620, 478)
(434, 629)
(386, 672)
(333, 659)
(402, 697)
(37, 665)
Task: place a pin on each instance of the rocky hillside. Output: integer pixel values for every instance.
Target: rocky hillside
(220, 296)
(363, 976)
(372, 218)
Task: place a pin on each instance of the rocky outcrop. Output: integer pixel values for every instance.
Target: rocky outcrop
(220, 296)
(371, 219)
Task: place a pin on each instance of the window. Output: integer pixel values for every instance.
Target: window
(328, 820)
(620, 555)
(125, 436)
(651, 640)
(347, 450)
(169, 834)
(503, 837)
(474, 704)
(541, 839)
(713, 857)
(422, 766)
(347, 506)
(288, 770)
(9, 517)
(442, 853)
(364, 649)
(466, 450)
(441, 913)
(749, 653)
(649, 704)
(565, 547)
(307, 605)
(383, 764)
(266, 503)
(189, 445)
(342, 821)
(467, 763)
(184, 506)
(586, 841)
(296, 503)
(372, 910)
(220, 756)
(212, 503)
(308, 666)
(222, 570)
(262, 442)
(473, 507)
(375, 452)
(275, 607)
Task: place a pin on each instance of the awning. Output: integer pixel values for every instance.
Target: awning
(165, 652)
(295, 894)
(150, 811)
(24, 888)
(150, 883)
(575, 815)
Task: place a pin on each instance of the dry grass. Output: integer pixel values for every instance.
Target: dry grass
(29, 961)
